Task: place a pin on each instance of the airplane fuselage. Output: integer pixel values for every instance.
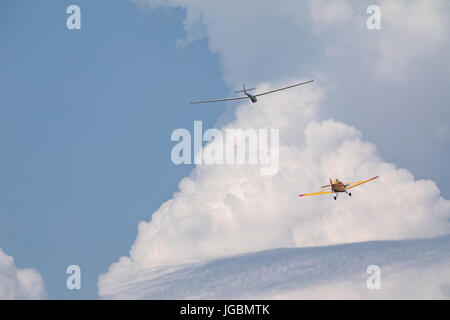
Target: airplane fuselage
(339, 187)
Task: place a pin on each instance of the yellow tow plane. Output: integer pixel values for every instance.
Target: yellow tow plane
(335, 187)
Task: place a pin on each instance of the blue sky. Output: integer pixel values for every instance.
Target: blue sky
(85, 123)
(86, 118)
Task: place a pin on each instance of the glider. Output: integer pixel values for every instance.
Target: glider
(336, 187)
(252, 97)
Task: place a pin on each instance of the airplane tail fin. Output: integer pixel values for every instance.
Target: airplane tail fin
(328, 185)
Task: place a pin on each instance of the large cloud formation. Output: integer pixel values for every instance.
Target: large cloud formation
(19, 283)
(228, 209)
(225, 210)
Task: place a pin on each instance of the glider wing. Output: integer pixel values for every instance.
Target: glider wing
(219, 100)
(295, 85)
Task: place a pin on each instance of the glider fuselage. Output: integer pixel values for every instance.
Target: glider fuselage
(251, 97)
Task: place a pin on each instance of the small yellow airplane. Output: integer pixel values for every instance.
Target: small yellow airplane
(337, 187)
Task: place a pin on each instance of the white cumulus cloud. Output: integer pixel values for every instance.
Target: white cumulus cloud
(19, 283)
(223, 210)
(369, 78)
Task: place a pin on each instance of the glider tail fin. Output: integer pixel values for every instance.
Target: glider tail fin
(244, 89)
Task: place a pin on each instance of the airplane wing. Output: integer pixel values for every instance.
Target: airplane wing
(315, 194)
(355, 184)
(219, 100)
(295, 85)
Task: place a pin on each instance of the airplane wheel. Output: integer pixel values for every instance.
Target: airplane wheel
(334, 198)
(350, 194)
